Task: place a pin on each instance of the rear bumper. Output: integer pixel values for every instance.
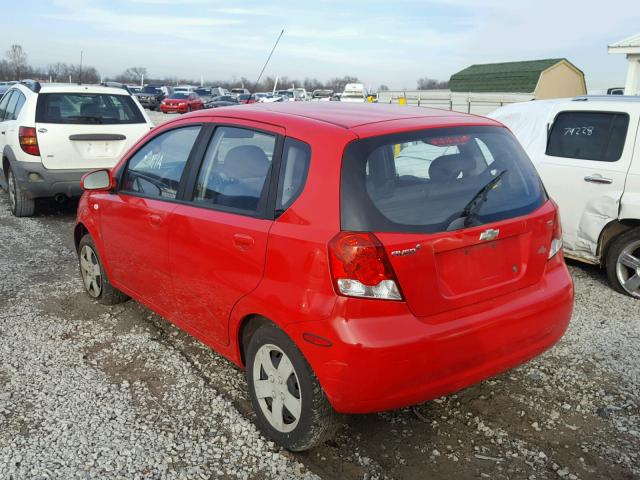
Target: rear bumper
(47, 183)
(383, 357)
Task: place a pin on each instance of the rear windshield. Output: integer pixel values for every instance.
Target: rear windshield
(436, 180)
(87, 108)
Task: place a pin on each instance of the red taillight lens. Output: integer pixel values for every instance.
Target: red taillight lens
(556, 235)
(360, 267)
(28, 140)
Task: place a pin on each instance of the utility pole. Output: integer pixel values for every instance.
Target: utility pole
(269, 58)
(80, 75)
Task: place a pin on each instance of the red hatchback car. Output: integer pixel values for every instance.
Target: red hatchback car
(352, 258)
(181, 102)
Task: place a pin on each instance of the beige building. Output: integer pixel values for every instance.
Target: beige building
(549, 78)
(631, 48)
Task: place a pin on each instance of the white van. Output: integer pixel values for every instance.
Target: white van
(354, 92)
(587, 151)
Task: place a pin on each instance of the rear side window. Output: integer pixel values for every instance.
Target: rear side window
(87, 108)
(588, 135)
(11, 106)
(156, 169)
(293, 173)
(4, 102)
(235, 169)
(18, 106)
(431, 181)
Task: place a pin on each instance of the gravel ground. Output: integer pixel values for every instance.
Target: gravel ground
(88, 391)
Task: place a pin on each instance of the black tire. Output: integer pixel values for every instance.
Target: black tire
(20, 203)
(108, 294)
(317, 422)
(628, 240)
(189, 109)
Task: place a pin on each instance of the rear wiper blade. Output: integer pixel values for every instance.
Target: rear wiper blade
(471, 208)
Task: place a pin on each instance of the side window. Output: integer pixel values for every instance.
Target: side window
(588, 135)
(235, 169)
(20, 99)
(293, 173)
(156, 169)
(4, 104)
(11, 106)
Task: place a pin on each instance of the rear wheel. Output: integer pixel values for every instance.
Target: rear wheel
(189, 109)
(623, 263)
(20, 203)
(291, 407)
(94, 278)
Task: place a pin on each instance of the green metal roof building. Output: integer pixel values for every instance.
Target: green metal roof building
(549, 78)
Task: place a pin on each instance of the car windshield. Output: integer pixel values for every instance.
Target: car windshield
(179, 96)
(244, 97)
(87, 108)
(203, 92)
(437, 180)
(152, 90)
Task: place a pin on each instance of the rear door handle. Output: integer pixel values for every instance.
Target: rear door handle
(597, 178)
(155, 219)
(242, 241)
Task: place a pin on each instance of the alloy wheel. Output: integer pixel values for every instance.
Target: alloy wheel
(90, 271)
(628, 269)
(277, 388)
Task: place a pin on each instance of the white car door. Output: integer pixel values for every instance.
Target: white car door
(584, 169)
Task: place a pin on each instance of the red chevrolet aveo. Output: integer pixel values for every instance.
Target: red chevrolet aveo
(352, 258)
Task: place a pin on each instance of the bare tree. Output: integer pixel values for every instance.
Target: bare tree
(17, 59)
(426, 83)
(383, 88)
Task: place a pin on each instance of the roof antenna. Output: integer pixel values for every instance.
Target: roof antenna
(269, 58)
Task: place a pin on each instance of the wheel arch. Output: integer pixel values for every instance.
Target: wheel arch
(612, 231)
(247, 326)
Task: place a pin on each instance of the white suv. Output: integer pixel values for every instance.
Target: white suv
(587, 151)
(52, 134)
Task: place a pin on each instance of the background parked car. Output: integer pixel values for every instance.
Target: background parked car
(587, 151)
(181, 102)
(321, 95)
(150, 97)
(52, 134)
(240, 91)
(222, 101)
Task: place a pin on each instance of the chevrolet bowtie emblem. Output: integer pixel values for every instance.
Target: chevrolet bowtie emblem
(489, 234)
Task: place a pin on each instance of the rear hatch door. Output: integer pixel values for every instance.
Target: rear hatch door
(85, 130)
(460, 211)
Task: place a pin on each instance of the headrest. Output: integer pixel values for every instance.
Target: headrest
(89, 109)
(246, 161)
(449, 167)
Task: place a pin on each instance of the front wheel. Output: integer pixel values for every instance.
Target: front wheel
(291, 407)
(94, 278)
(623, 263)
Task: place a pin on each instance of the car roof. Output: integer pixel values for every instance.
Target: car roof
(347, 115)
(80, 88)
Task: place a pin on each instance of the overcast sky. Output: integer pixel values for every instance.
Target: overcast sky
(392, 41)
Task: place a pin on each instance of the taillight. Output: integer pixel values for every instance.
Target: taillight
(556, 236)
(360, 267)
(28, 140)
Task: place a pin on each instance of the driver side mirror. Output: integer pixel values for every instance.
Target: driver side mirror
(98, 181)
